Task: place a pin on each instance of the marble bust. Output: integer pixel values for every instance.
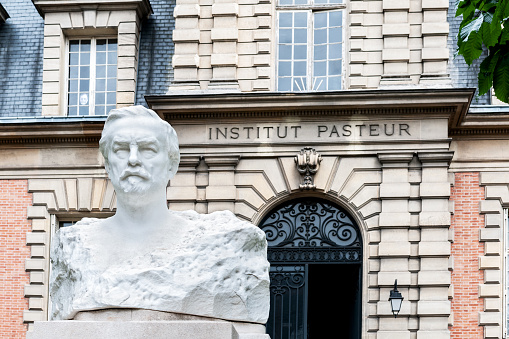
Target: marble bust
(148, 257)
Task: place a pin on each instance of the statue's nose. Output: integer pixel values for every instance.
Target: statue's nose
(134, 159)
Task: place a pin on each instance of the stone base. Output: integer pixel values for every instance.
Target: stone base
(177, 329)
(140, 323)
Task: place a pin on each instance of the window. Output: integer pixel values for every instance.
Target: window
(310, 45)
(92, 76)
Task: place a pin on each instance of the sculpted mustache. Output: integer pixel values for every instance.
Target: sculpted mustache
(140, 173)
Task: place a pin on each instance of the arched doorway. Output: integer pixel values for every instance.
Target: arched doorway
(315, 252)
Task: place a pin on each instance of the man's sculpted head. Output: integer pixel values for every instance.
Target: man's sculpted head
(140, 150)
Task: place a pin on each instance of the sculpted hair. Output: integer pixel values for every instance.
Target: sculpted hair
(136, 112)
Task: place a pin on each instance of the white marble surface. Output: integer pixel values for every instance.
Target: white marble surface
(215, 266)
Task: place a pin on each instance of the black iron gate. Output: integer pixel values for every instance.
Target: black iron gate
(306, 295)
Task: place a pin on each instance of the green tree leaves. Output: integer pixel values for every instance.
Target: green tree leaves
(484, 24)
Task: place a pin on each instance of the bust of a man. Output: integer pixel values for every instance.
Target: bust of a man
(146, 256)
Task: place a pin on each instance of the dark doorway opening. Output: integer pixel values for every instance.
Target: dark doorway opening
(315, 252)
(334, 301)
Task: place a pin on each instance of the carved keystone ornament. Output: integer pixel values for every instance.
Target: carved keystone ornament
(308, 163)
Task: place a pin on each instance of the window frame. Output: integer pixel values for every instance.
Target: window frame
(311, 8)
(92, 76)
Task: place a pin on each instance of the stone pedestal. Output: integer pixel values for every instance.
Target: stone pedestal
(138, 324)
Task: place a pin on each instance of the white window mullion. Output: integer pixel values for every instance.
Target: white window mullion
(311, 50)
(93, 57)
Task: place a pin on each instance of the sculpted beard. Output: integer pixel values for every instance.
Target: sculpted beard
(135, 180)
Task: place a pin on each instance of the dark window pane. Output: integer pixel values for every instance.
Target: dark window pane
(101, 45)
(100, 71)
(85, 46)
(301, 35)
(83, 110)
(285, 35)
(112, 71)
(285, 20)
(320, 36)
(100, 98)
(101, 58)
(111, 98)
(74, 46)
(284, 84)
(73, 85)
(112, 44)
(73, 99)
(335, 35)
(99, 110)
(84, 58)
(84, 85)
(334, 83)
(301, 19)
(112, 58)
(112, 85)
(320, 69)
(285, 68)
(334, 67)
(336, 18)
(74, 58)
(100, 85)
(335, 51)
(73, 72)
(320, 52)
(72, 110)
(300, 52)
(84, 72)
(299, 68)
(285, 52)
(321, 20)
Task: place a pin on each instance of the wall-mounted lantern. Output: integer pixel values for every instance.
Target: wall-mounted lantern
(396, 299)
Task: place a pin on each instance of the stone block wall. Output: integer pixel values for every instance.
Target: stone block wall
(466, 250)
(14, 225)
(21, 47)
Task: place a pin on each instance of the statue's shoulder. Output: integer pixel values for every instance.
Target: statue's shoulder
(218, 224)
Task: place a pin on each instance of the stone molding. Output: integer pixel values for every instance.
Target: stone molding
(496, 199)
(449, 103)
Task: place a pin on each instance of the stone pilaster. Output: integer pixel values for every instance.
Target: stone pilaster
(186, 38)
(182, 193)
(435, 53)
(395, 249)
(434, 277)
(396, 52)
(224, 35)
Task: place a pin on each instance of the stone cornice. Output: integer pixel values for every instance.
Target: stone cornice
(450, 103)
(24, 134)
(3, 14)
(142, 7)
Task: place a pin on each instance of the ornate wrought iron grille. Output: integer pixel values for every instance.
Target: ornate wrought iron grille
(311, 231)
(301, 233)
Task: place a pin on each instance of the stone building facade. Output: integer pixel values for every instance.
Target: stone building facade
(415, 159)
